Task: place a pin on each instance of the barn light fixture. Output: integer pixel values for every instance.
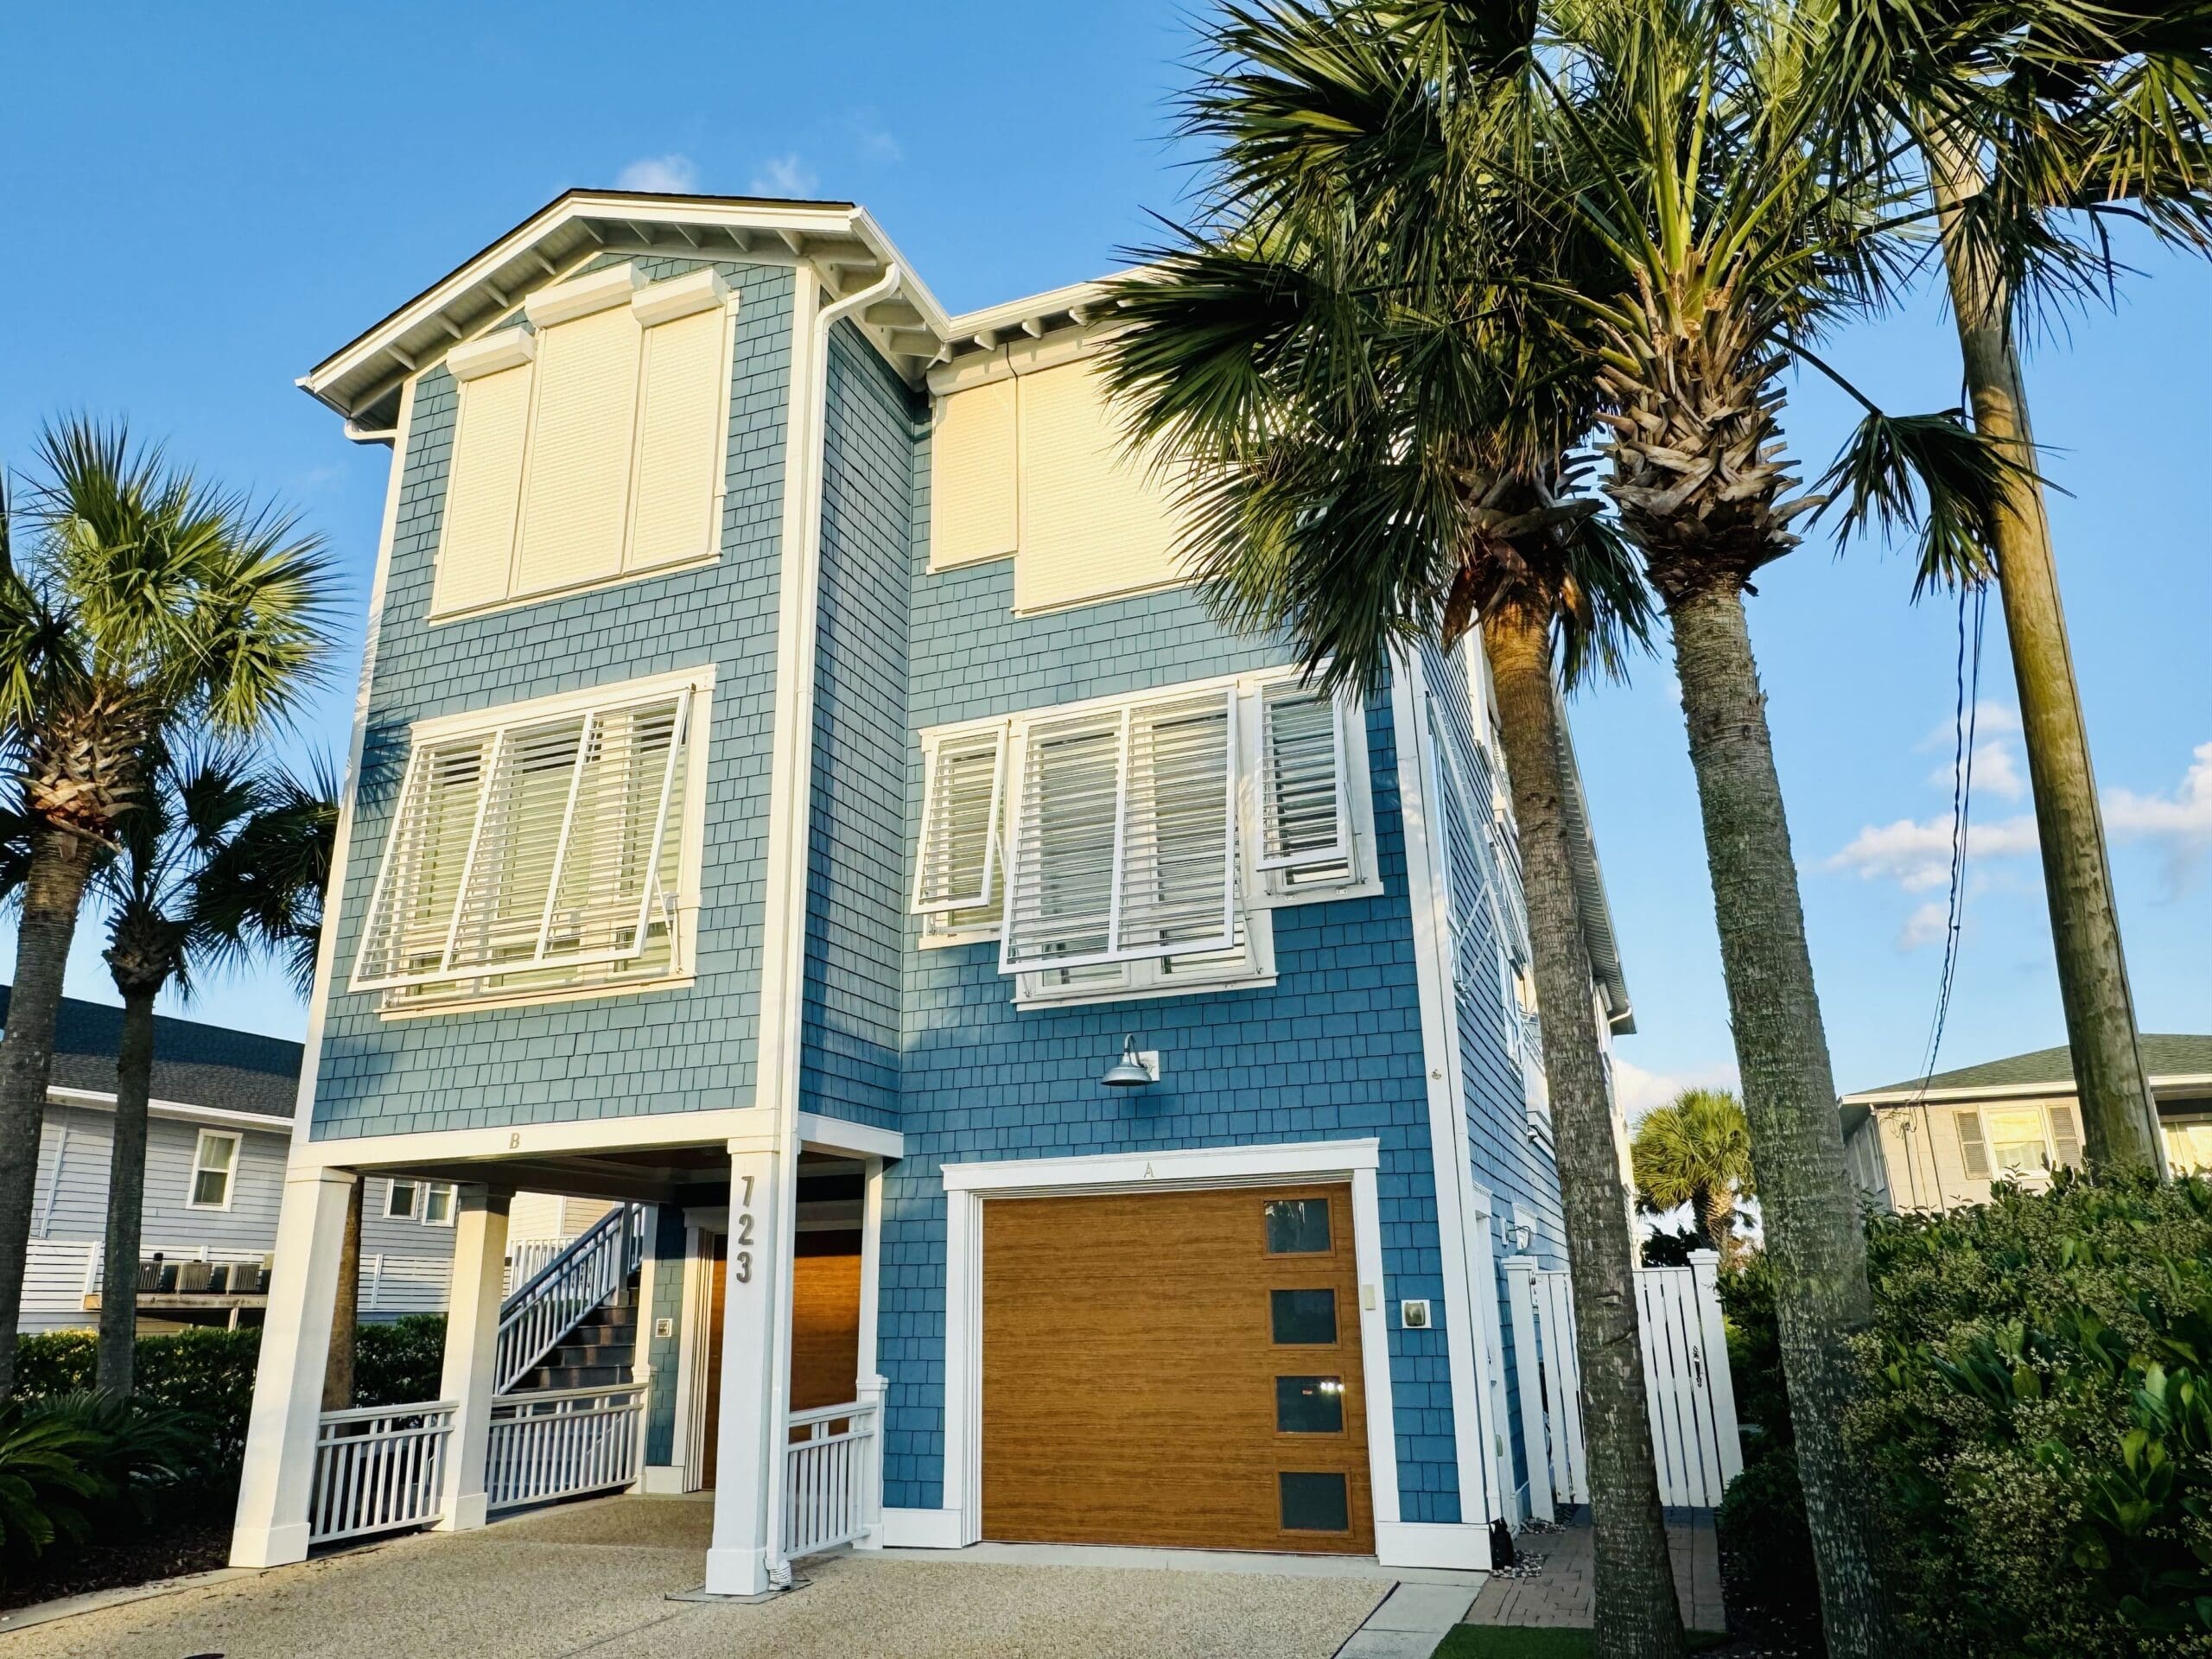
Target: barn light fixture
(1133, 1070)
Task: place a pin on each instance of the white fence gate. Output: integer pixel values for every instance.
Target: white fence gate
(1690, 1395)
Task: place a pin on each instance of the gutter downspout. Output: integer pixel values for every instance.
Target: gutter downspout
(784, 921)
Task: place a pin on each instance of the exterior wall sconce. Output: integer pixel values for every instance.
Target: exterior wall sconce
(1133, 1069)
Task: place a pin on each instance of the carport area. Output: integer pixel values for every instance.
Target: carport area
(596, 1577)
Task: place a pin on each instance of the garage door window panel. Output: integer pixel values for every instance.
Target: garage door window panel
(1298, 1226)
(1303, 1319)
(1309, 1405)
(1314, 1503)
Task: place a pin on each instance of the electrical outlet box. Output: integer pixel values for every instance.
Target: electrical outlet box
(663, 1328)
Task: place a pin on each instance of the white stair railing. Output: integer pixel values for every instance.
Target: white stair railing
(377, 1469)
(564, 1442)
(555, 1299)
(831, 1475)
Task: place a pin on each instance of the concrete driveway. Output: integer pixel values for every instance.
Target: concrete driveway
(594, 1578)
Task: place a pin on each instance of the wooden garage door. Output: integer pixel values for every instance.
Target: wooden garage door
(1175, 1369)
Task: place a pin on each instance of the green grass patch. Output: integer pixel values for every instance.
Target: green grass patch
(1517, 1641)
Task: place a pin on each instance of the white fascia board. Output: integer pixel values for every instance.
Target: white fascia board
(1194, 1167)
(2060, 1089)
(180, 1111)
(637, 1133)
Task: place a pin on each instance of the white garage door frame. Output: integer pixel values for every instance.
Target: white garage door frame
(968, 1186)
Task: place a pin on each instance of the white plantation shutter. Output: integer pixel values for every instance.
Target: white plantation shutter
(552, 843)
(1305, 824)
(1124, 840)
(955, 867)
(2065, 1137)
(1974, 1150)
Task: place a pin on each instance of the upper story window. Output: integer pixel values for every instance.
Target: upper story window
(2017, 1143)
(548, 848)
(1135, 845)
(215, 1170)
(590, 446)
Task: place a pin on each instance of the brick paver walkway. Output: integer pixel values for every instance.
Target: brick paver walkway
(1559, 1594)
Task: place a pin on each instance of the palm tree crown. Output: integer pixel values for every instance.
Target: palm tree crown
(1696, 1150)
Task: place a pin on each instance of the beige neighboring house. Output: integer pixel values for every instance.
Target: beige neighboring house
(1931, 1144)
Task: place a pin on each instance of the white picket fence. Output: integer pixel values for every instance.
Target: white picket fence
(1688, 1389)
(831, 1467)
(379, 1469)
(563, 1443)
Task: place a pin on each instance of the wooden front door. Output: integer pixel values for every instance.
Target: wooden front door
(825, 1328)
(1176, 1370)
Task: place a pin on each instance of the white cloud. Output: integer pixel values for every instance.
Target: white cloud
(2180, 822)
(1926, 925)
(1990, 719)
(1995, 772)
(1917, 855)
(1639, 1091)
(673, 175)
(782, 175)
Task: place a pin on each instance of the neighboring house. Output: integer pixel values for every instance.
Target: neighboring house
(791, 768)
(1927, 1144)
(218, 1133)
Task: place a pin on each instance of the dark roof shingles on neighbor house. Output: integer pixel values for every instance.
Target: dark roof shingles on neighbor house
(195, 1064)
(2171, 1055)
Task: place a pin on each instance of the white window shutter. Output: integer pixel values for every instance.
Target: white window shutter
(1974, 1150)
(410, 913)
(476, 536)
(955, 866)
(2065, 1136)
(576, 504)
(682, 438)
(1304, 824)
(1177, 890)
(1061, 876)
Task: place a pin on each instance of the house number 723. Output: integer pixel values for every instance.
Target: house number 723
(741, 1240)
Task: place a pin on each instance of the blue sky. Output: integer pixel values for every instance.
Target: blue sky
(230, 195)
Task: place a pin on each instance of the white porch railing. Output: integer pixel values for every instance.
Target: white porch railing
(564, 1442)
(527, 1258)
(831, 1471)
(550, 1303)
(377, 1469)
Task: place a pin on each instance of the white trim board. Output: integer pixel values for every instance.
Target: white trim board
(635, 1133)
(968, 1186)
(225, 1117)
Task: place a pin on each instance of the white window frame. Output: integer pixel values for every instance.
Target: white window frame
(1260, 883)
(697, 682)
(1147, 977)
(432, 1192)
(495, 348)
(200, 1165)
(393, 1188)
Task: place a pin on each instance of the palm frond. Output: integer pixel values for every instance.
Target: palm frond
(1931, 475)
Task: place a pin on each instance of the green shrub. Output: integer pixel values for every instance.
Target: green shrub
(47, 1491)
(81, 1463)
(397, 1363)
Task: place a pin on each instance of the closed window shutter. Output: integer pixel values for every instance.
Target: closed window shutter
(1974, 1150)
(576, 496)
(551, 844)
(683, 439)
(972, 476)
(1094, 521)
(2065, 1137)
(955, 867)
(483, 490)
(1304, 825)
(1466, 882)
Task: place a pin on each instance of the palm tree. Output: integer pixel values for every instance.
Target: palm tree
(148, 600)
(1696, 1150)
(214, 847)
(2036, 122)
(1381, 451)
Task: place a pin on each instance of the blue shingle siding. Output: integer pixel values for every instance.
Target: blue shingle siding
(667, 1051)
(856, 850)
(664, 1354)
(1332, 1051)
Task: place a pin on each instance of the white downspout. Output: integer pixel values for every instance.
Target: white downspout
(784, 910)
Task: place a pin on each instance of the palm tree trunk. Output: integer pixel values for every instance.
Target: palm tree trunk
(2120, 1119)
(1637, 1613)
(61, 863)
(346, 1318)
(126, 1195)
(1716, 1218)
(1813, 1230)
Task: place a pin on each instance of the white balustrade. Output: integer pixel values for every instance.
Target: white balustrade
(564, 1442)
(377, 1469)
(554, 1300)
(830, 1476)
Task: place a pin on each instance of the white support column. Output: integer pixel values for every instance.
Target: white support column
(749, 1446)
(1520, 1278)
(479, 1254)
(272, 1527)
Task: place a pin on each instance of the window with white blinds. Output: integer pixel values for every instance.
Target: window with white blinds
(550, 850)
(588, 446)
(1145, 829)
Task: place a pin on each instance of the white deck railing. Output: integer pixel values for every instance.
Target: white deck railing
(377, 1469)
(563, 1443)
(554, 1300)
(829, 1475)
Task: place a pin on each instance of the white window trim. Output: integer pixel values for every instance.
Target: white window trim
(1255, 897)
(652, 304)
(453, 1203)
(1144, 981)
(699, 682)
(230, 1175)
(413, 1198)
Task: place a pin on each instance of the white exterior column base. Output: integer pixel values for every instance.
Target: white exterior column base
(479, 1254)
(1449, 1544)
(272, 1524)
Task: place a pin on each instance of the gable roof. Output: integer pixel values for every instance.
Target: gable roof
(2167, 1059)
(195, 1064)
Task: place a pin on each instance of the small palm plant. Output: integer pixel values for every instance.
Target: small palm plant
(1696, 1150)
(145, 602)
